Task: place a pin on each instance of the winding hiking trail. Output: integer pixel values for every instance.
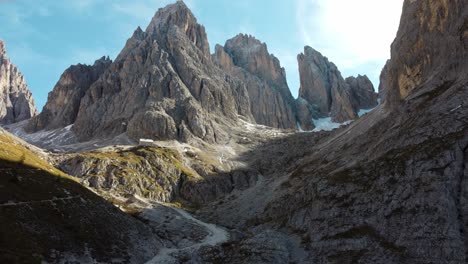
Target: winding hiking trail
(216, 235)
(11, 203)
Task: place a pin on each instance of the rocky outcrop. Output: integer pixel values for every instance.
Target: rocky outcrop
(247, 59)
(16, 99)
(363, 95)
(164, 85)
(429, 50)
(158, 174)
(383, 81)
(305, 114)
(323, 87)
(64, 101)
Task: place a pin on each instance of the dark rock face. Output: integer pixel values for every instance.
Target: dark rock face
(393, 186)
(430, 49)
(16, 99)
(163, 85)
(64, 101)
(304, 113)
(363, 95)
(247, 59)
(383, 81)
(323, 87)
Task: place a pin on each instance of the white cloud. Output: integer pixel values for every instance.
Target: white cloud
(350, 33)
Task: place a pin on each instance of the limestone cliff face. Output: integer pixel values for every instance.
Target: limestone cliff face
(363, 95)
(323, 87)
(163, 85)
(16, 102)
(430, 48)
(64, 101)
(393, 186)
(247, 59)
(383, 81)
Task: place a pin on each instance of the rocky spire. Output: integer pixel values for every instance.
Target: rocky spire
(252, 55)
(2, 48)
(363, 95)
(248, 59)
(164, 85)
(64, 101)
(16, 102)
(178, 16)
(323, 87)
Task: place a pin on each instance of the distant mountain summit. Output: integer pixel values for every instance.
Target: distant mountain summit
(17, 103)
(64, 101)
(328, 93)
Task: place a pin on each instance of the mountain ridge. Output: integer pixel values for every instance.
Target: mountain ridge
(165, 84)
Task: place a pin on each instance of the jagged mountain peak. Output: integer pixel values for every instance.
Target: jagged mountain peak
(2, 48)
(253, 55)
(139, 33)
(323, 86)
(16, 102)
(246, 40)
(316, 56)
(248, 59)
(102, 60)
(64, 101)
(178, 15)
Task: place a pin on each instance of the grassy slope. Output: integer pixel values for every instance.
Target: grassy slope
(42, 211)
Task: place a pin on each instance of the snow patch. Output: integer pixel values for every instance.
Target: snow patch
(299, 128)
(364, 111)
(326, 124)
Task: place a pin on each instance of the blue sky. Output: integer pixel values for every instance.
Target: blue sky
(44, 37)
